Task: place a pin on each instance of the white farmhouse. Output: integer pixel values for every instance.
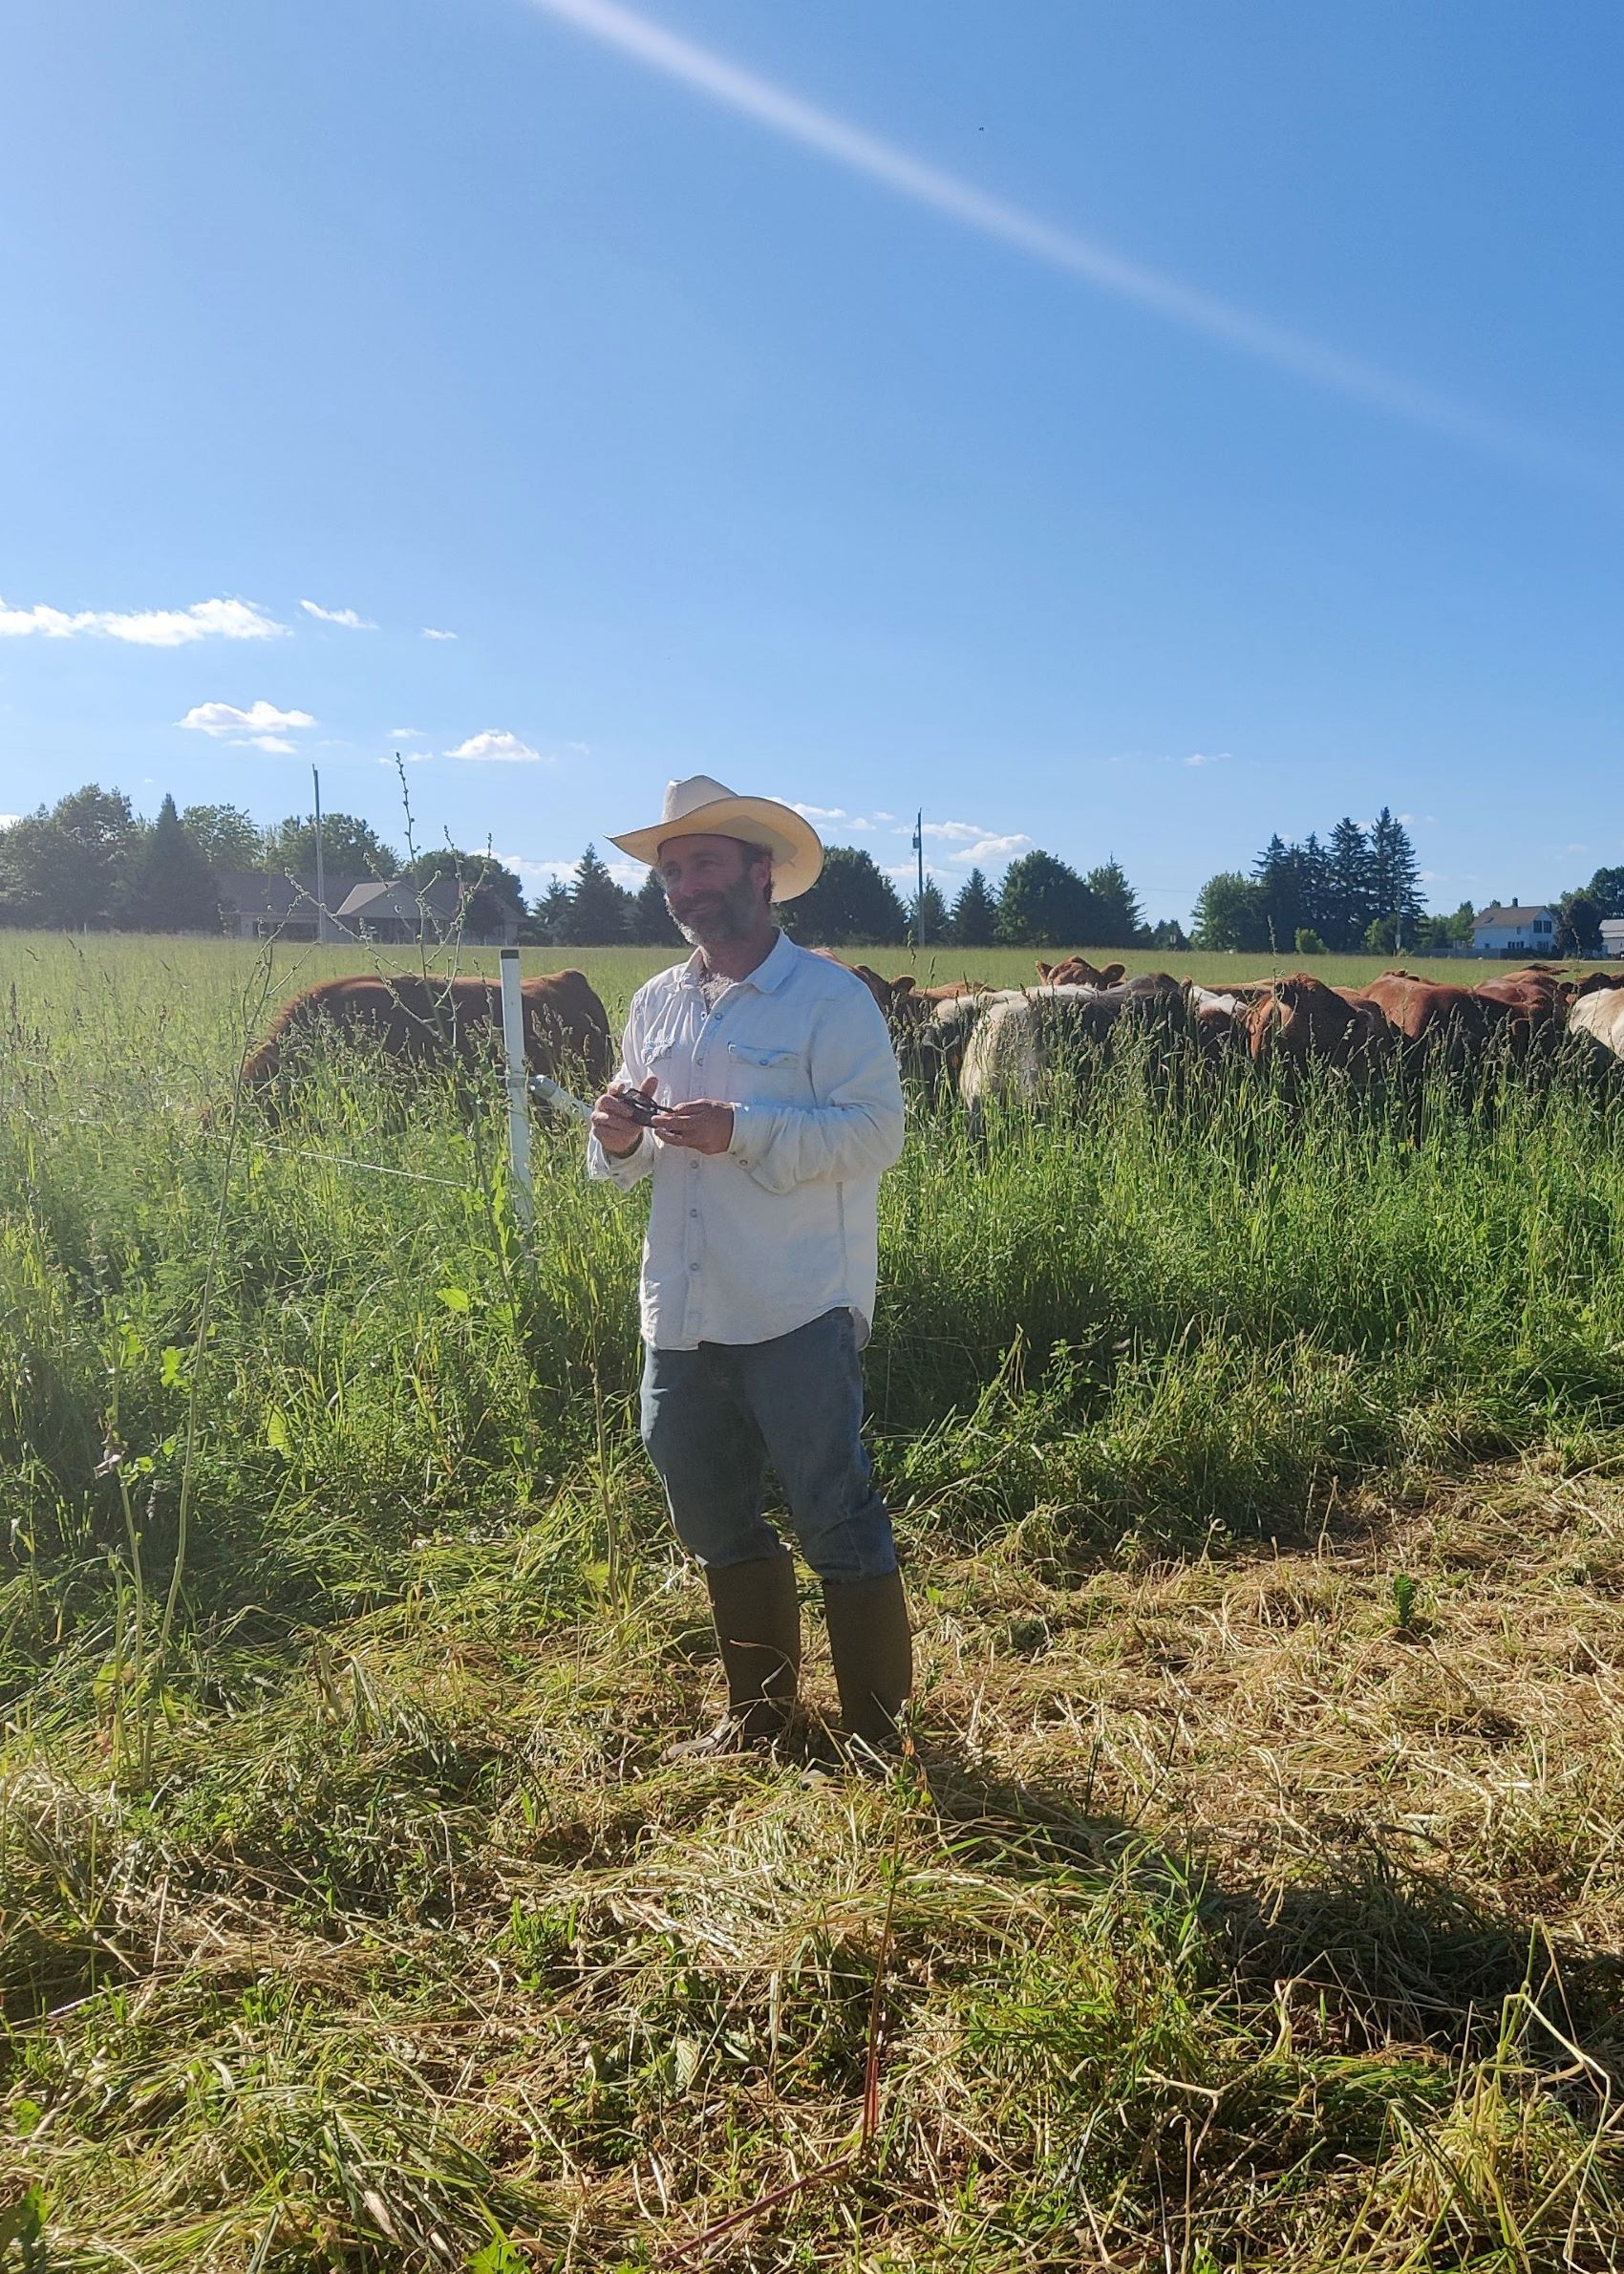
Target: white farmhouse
(1612, 935)
(1514, 931)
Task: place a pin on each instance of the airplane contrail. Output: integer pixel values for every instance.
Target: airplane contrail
(786, 115)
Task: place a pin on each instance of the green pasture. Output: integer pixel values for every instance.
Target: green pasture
(1253, 1457)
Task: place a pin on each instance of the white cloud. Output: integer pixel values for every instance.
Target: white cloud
(957, 832)
(991, 849)
(879, 816)
(537, 875)
(144, 628)
(816, 813)
(429, 633)
(346, 616)
(7, 819)
(407, 734)
(1206, 758)
(262, 726)
(495, 742)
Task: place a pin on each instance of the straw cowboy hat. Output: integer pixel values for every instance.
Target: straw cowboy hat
(703, 807)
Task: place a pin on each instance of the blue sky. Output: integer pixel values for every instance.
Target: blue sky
(1121, 430)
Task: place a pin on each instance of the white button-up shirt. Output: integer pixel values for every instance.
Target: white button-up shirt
(755, 1242)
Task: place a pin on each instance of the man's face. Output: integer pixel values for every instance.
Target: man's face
(713, 890)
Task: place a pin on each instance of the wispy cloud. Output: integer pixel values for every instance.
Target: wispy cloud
(539, 874)
(787, 115)
(817, 813)
(1207, 757)
(430, 633)
(407, 734)
(495, 742)
(262, 726)
(991, 849)
(144, 628)
(957, 832)
(346, 616)
(7, 819)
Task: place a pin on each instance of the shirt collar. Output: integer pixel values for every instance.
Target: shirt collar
(768, 975)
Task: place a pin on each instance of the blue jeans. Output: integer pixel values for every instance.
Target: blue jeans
(715, 1417)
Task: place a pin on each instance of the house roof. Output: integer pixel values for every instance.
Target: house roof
(1524, 915)
(246, 889)
(400, 899)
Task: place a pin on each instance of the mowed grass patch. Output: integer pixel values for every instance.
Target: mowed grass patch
(1251, 1458)
(1236, 1919)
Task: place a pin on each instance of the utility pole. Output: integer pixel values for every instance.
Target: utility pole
(321, 878)
(919, 902)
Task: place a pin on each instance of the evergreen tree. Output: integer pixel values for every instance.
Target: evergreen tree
(1122, 919)
(1046, 904)
(652, 924)
(225, 836)
(852, 902)
(547, 924)
(975, 913)
(1228, 914)
(600, 912)
(1279, 900)
(169, 886)
(1314, 880)
(1170, 934)
(1395, 875)
(1350, 900)
(349, 847)
(928, 919)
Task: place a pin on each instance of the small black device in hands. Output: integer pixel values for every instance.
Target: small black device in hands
(641, 1108)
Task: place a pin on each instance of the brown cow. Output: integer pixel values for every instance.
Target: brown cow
(429, 1023)
(1430, 1014)
(1077, 972)
(1301, 1019)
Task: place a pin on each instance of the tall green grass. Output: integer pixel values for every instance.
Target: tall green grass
(1161, 1313)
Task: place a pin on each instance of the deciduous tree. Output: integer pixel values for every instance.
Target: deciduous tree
(1046, 904)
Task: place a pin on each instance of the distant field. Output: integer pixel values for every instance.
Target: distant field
(1256, 1462)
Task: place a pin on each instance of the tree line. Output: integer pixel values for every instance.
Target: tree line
(91, 862)
(1041, 902)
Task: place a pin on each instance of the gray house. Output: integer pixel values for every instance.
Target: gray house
(398, 912)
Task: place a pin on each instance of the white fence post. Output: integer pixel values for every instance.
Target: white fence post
(517, 1104)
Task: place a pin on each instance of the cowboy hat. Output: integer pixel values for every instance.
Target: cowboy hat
(703, 807)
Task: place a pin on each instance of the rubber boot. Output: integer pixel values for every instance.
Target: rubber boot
(756, 1612)
(872, 1647)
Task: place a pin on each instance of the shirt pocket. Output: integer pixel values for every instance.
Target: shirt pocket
(767, 1071)
(764, 1055)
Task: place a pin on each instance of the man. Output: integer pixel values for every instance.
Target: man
(780, 1105)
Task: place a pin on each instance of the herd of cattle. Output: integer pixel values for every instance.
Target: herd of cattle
(985, 1044)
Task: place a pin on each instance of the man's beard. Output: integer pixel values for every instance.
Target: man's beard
(730, 914)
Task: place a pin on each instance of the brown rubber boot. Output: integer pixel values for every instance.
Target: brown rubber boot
(872, 1647)
(757, 1616)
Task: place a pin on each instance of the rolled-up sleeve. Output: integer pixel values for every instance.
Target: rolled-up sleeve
(632, 1166)
(855, 1132)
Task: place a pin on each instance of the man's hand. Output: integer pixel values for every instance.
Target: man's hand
(615, 1125)
(703, 1126)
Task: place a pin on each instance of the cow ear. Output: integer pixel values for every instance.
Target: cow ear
(904, 985)
(1044, 969)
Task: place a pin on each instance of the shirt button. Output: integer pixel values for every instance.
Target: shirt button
(694, 1213)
